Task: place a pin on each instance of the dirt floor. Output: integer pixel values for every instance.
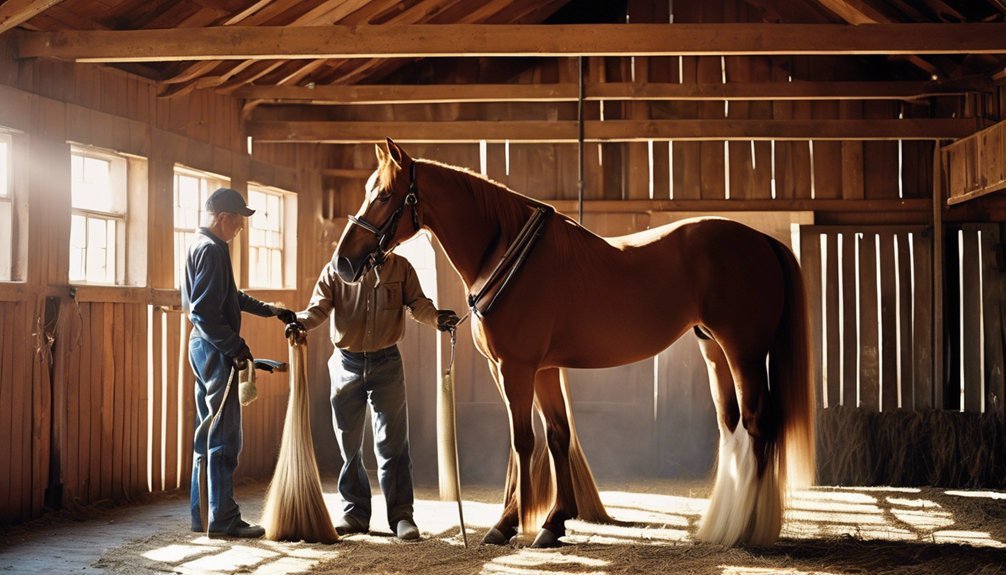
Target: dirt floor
(828, 531)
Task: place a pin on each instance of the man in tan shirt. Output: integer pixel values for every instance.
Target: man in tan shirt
(367, 321)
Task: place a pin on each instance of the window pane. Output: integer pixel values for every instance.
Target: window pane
(96, 247)
(78, 247)
(265, 238)
(6, 247)
(92, 187)
(4, 170)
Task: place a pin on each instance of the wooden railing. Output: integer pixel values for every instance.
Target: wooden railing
(976, 165)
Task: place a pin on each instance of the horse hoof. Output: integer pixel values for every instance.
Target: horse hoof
(495, 537)
(545, 540)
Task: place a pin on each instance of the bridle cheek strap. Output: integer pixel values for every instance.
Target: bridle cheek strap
(387, 230)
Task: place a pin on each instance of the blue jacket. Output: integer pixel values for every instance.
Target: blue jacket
(211, 298)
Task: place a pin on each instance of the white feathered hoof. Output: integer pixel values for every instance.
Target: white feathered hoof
(495, 537)
(546, 540)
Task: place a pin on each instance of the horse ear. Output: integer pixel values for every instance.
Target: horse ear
(382, 157)
(398, 154)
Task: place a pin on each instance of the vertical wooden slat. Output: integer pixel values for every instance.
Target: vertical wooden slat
(712, 162)
(20, 420)
(40, 417)
(171, 403)
(154, 399)
(906, 340)
(141, 476)
(70, 452)
(132, 342)
(83, 440)
(120, 417)
(922, 350)
(888, 323)
(6, 401)
(936, 268)
(95, 389)
(869, 386)
(992, 309)
(810, 263)
(850, 317)
(833, 335)
(971, 354)
(107, 386)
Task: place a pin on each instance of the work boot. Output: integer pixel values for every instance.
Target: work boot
(350, 524)
(406, 530)
(238, 529)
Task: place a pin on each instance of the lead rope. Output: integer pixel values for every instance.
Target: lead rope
(449, 382)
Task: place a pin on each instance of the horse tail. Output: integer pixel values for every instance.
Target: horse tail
(791, 378)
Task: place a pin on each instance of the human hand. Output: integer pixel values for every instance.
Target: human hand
(447, 319)
(286, 316)
(294, 327)
(243, 358)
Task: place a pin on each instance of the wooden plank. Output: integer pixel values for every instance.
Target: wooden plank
(906, 341)
(869, 319)
(16, 12)
(472, 40)
(810, 264)
(171, 403)
(712, 129)
(94, 387)
(141, 400)
(757, 90)
(685, 156)
(119, 416)
(106, 386)
(936, 270)
(20, 419)
(833, 320)
(41, 420)
(186, 385)
(850, 318)
(131, 342)
(6, 400)
(711, 151)
(924, 323)
(881, 174)
(82, 443)
(888, 324)
(155, 428)
(972, 336)
(992, 308)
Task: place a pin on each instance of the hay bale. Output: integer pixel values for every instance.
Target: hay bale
(910, 448)
(294, 505)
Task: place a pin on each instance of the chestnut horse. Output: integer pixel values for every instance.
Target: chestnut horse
(562, 296)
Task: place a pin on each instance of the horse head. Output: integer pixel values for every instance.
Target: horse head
(376, 229)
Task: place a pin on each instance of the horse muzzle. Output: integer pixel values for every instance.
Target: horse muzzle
(349, 272)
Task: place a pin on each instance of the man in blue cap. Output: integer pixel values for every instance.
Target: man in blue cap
(216, 353)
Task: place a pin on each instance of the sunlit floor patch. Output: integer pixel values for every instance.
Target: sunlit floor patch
(532, 562)
(175, 553)
(976, 538)
(733, 570)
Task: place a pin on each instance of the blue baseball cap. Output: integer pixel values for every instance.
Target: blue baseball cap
(228, 200)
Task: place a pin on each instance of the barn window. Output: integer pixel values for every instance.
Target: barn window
(270, 238)
(191, 190)
(6, 207)
(98, 220)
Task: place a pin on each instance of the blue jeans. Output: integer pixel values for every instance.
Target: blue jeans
(216, 445)
(376, 377)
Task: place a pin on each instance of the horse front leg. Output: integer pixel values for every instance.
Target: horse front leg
(517, 387)
(552, 404)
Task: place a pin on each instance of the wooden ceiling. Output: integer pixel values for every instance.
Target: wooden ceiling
(292, 55)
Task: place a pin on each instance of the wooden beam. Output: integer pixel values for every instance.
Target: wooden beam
(567, 92)
(425, 40)
(565, 131)
(923, 205)
(16, 12)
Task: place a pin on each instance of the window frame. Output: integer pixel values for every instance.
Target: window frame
(116, 216)
(7, 227)
(287, 250)
(208, 182)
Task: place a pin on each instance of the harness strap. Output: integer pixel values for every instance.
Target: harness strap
(511, 261)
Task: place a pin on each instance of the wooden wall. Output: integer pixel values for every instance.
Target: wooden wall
(94, 405)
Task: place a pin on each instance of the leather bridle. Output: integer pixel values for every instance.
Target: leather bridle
(385, 232)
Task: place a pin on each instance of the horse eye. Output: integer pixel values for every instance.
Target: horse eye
(383, 196)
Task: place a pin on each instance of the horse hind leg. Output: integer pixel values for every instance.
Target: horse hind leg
(746, 503)
(722, 521)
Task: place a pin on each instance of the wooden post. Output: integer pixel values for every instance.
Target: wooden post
(937, 277)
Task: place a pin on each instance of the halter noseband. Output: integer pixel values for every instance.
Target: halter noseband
(387, 230)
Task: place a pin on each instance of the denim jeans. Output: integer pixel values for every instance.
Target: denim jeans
(378, 378)
(216, 444)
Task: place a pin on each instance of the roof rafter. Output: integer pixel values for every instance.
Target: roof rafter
(16, 12)
(427, 40)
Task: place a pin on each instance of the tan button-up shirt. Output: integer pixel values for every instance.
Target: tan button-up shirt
(369, 315)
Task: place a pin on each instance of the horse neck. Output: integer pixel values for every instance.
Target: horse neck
(472, 236)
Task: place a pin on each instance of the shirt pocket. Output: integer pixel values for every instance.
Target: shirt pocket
(390, 296)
